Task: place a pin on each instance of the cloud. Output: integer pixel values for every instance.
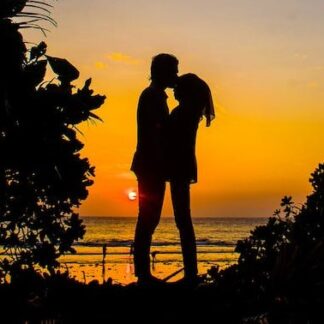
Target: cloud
(301, 56)
(100, 65)
(313, 85)
(122, 58)
(318, 68)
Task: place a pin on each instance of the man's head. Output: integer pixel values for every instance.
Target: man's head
(164, 70)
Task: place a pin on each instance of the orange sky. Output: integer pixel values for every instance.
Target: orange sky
(264, 62)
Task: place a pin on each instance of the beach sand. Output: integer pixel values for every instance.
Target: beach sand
(123, 273)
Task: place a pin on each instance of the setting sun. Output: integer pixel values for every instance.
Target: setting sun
(132, 195)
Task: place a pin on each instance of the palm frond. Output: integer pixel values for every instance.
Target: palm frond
(34, 26)
(41, 3)
(36, 11)
(29, 22)
(94, 116)
(38, 7)
(77, 129)
(40, 16)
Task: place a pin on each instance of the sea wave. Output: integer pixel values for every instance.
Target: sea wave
(128, 243)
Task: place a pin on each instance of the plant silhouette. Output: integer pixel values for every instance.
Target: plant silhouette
(281, 264)
(43, 178)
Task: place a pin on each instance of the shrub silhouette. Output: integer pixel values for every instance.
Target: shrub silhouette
(43, 178)
(281, 264)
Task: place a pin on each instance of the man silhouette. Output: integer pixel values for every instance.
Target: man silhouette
(149, 162)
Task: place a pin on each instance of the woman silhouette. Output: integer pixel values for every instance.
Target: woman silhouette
(195, 101)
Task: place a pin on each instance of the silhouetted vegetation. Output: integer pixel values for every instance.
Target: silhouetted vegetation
(43, 178)
(281, 265)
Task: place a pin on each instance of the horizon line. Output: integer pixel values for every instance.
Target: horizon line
(109, 216)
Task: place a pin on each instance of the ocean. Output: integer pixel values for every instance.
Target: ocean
(216, 239)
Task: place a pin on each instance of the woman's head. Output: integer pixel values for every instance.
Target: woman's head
(194, 92)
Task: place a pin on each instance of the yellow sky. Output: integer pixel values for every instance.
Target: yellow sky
(264, 61)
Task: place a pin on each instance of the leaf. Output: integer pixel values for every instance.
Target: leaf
(36, 16)
(70, 133)
(91, 171)
(38, 51)
(36, 72)
(38, 7)
(63, 68)
(92, 115)
(87, 83)
(287, 200)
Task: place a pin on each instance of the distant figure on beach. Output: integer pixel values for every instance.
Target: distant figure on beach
(195, 101)
(149, 161)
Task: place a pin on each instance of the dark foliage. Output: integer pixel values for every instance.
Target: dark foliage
(43, 178)
(280, 269)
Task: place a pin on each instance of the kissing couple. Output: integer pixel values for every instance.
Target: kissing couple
(166, 152)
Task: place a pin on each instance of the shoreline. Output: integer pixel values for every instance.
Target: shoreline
(123, 273)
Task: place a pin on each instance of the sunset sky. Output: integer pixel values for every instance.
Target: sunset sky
(264, 62)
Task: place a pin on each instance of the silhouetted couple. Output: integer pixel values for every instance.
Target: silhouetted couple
(166, 152)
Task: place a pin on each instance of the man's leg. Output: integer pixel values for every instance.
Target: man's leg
(180, 194)
(151, 195)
